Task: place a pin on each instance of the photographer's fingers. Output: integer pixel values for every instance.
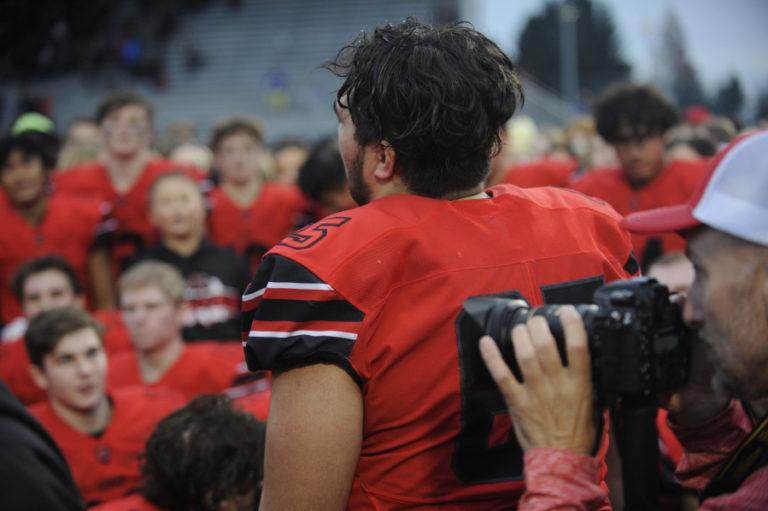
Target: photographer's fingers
(544, 343)
(576, 342)
(499, 369)
(526, 353)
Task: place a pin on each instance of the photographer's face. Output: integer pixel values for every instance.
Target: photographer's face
(727, 302)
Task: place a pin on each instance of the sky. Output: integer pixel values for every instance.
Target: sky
(723, 37)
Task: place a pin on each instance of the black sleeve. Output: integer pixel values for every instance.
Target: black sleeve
(33, 472)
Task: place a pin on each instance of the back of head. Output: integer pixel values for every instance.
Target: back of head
(203, 454)
(627, 111)
(154, 273)
(47, 328)
(323, 170)
(438, 95)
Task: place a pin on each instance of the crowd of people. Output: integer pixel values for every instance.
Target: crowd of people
(158, 308)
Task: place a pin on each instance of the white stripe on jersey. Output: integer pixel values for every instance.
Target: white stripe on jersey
(255, 294)
(312, 333)
(296, 285)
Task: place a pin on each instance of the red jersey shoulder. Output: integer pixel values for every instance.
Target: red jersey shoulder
(133, 502)
(598, 180)
(134, 406)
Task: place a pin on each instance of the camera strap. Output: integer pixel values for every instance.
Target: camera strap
(749, 456)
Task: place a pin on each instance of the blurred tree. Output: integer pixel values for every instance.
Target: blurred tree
(761, 112)
(729, 98)
(599, 59)
(681, 76)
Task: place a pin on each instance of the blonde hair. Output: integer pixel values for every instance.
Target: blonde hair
(154, 273)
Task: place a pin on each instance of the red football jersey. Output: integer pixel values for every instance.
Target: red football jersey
(14, 362)
(133, 232)
(378, 290)
(252, 231)
(133, 502)
(542, 172)
(673, 186)
(71, 228)
(203, 368)
(106, 467)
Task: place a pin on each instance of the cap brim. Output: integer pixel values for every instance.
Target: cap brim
(667, 219)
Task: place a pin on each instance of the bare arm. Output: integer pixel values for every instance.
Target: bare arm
(100, 274)
(314, 433)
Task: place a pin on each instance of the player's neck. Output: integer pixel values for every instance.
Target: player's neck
(477, 192)
(124, 172)
(243, 194)
(153, 364)
(34, 212)
(185, 246)
(88, 423)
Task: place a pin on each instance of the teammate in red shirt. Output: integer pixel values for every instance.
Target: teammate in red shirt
(207, 455)
(373, 405)
(36, 222)
(100, 434)
(152, 299)
(40, 285)
(634, 119)
(123, 178)
(248, 213)
(547, 171)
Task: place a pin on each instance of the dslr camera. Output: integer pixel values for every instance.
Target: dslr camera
(638, 343)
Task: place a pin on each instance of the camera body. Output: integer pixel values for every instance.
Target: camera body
(638, 343)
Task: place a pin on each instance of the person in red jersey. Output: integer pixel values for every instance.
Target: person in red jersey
(125, 173)
(205, 456)
(720, 415)
(37, 222)
(356, 314)
(547, 171)
(42, 284)
(634, 119)
(152, 300)
(248, 213)
(101, 434)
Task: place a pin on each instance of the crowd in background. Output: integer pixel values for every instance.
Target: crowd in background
(158, 235)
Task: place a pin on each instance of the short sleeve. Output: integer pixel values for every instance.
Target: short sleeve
(292, 318)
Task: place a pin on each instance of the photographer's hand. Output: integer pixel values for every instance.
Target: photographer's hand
(554, 405)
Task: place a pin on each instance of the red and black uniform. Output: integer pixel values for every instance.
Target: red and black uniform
(214, 280)
(673, 186)
(133, 232)
(72, 228)
(542, 172)
(133, 502)
(105, 466)
(14, 361)
(252, 231)
(378, 290)
(202, 368)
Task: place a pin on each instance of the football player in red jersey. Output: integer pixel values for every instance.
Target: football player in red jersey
(152, 299)
(248, 213)
(374, 404)
(101, 434)
(634, 119)
(43, 284)
(37, 222)
(125, 173)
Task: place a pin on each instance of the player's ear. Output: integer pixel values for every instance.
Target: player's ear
(386, 160)
(38, 376)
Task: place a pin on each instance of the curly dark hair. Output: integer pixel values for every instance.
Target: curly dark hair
(627, 111)
(30, 144)
(438, 95)
(202, 454)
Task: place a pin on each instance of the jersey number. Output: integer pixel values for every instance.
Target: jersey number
(480, 457)
(308, 236)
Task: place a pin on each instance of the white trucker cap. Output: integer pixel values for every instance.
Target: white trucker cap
(732, 196)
